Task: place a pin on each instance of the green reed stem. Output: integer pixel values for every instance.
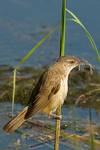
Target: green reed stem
(63, 29)
(62, 51)
(14, 89)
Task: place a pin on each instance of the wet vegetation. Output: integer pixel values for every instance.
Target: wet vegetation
(84, 87)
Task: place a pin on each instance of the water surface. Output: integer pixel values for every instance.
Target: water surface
(76, 119)
(23, 23)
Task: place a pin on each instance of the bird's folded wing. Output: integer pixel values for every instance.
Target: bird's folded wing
(47, 86)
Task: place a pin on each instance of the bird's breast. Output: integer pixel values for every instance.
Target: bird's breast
(58, 99)
(63, 90)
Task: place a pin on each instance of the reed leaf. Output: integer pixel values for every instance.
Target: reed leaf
(33, 49)
(21, 62)
(89, 36)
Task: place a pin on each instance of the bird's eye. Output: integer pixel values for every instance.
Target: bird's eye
(71, 61)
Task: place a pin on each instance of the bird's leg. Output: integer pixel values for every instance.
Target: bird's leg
(54, 116)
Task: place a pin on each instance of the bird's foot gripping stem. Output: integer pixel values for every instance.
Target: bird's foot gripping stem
(54, 116)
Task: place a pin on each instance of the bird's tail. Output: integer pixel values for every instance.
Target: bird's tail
(16, 121)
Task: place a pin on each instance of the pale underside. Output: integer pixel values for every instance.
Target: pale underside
(58, 98)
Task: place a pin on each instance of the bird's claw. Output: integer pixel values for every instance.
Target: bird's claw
(54, 116)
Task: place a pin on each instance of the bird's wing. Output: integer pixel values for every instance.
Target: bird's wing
(36, 89)
(47, 86)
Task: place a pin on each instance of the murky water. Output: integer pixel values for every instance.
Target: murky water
(23, 23)
(71, 117)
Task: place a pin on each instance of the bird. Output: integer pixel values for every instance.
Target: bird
(49, 93)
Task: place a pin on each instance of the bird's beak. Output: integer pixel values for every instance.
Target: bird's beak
(85, 63)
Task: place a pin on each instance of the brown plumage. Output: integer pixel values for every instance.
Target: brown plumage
(16, 122)
(49, 93)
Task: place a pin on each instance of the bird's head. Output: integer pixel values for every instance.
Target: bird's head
(70, 62)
